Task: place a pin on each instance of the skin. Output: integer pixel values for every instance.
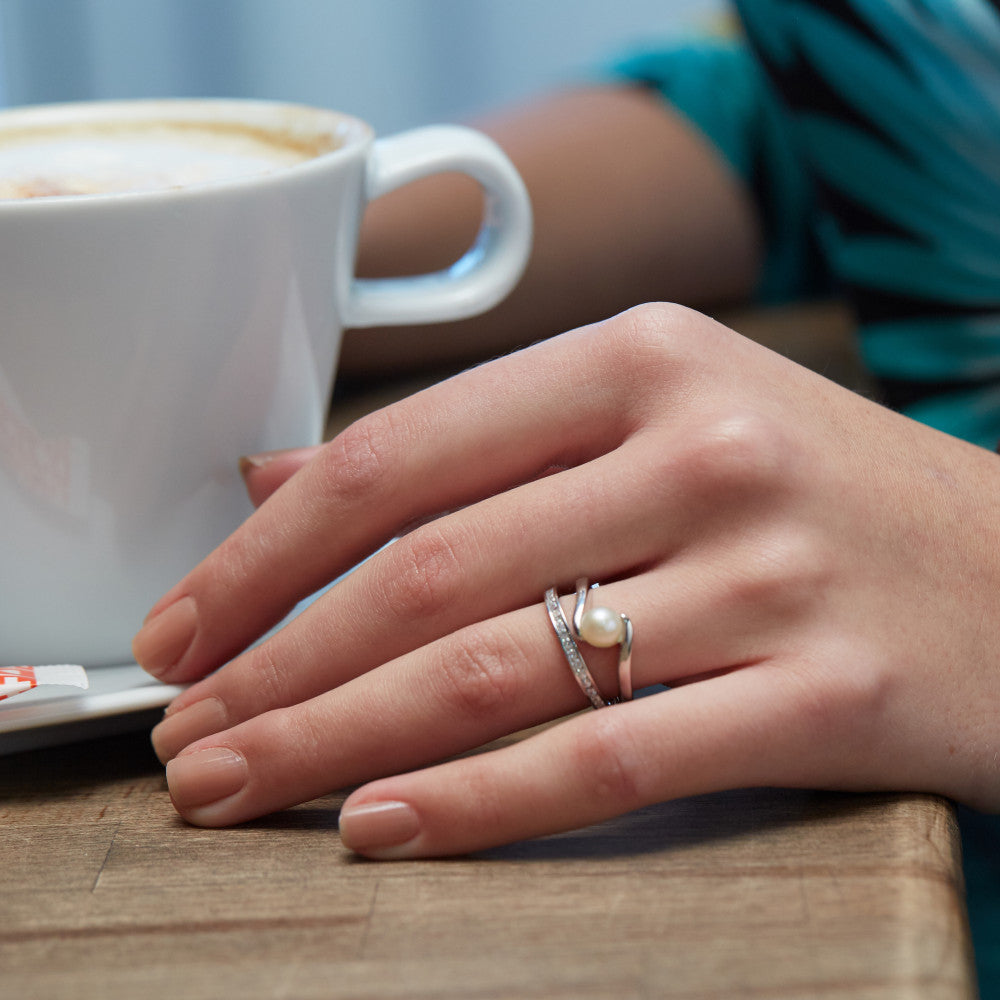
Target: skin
(812, 574)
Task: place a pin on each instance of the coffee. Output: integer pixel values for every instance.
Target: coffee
(111, 158)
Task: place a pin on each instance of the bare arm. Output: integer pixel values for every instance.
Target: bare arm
(631, 204)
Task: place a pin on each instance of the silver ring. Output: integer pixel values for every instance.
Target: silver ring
(599, 626)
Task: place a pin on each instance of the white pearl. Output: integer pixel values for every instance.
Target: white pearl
(602, 627)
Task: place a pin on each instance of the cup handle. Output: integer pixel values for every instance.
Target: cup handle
(488, 270)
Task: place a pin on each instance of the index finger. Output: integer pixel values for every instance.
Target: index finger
(459, 441)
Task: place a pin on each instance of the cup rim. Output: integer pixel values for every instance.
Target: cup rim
(302, 123)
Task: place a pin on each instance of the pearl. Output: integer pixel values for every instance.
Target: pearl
(602, 627)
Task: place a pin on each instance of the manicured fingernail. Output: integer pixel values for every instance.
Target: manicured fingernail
(181, 728)
(380, 829)
(205, 777)
(165, 638)
(294, 456)
(250, 463)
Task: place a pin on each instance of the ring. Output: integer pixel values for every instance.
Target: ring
(598, 626)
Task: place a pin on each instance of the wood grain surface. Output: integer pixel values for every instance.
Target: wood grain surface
(105, 893)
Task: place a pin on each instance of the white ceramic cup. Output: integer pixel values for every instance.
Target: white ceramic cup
(148, 338)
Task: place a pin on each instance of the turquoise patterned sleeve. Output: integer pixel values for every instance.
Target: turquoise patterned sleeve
(895, 111)
(717, 85)
(869, 134)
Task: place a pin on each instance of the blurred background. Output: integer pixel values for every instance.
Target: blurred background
(396, 63)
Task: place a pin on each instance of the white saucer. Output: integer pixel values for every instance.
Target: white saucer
(119, 699)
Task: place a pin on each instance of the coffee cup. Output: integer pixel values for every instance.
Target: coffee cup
(174, 279)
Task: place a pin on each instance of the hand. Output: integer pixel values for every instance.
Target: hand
(815, 577)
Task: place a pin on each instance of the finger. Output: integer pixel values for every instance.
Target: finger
(470, 566)
(339, 649)
(458, 693)
(264, 472)
(741, 730)
(495, 556)
(705, 608)
(442, 449)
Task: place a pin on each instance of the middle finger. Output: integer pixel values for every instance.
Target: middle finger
(466, 567)
(458, 693)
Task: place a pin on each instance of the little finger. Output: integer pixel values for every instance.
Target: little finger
(740, 730)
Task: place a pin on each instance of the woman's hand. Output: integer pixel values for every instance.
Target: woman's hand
(815, 577)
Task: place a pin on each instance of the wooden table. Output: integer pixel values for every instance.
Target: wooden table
(105, 893)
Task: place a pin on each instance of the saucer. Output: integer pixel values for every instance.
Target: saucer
(119, 699)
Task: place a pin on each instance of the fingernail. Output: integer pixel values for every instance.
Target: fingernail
(192, 722)
(295, 456)
(164, 639)
(383, 830)
(205, 777)
(250, 463)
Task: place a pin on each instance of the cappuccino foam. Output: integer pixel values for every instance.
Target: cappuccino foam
(108, 159)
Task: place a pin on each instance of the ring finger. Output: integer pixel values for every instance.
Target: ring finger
(460, 692)
(468, 566)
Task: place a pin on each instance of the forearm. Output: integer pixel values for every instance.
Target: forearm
(631, 204)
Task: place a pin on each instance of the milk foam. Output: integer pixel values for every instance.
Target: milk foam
(119, 160)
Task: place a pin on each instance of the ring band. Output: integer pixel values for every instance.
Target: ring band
(599, 626)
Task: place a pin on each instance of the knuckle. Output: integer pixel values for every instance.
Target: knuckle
(737, 454)
(668, 330)
(609, 762)
(789, 573)
(844, 703)
(650, 322)
(651, 333)
(426, 573)
(233, 569)
(296, 731)
(479, 673)
(650, 344)
(270, 682)
(360, 461)
(862, 696)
